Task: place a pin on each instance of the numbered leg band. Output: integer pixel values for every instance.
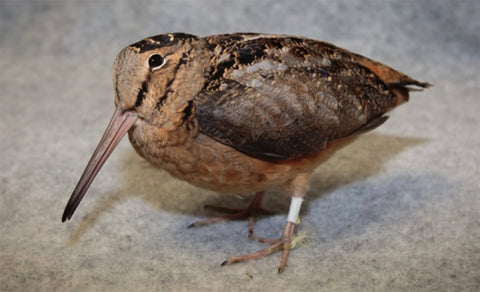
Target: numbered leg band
(294, 210)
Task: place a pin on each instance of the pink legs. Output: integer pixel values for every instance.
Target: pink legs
(254, 208)
(283, 242)
(252, 211)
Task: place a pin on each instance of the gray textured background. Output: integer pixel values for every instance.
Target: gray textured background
(398, 210)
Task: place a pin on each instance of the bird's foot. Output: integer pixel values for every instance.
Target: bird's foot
(253, 210)
(283, 243)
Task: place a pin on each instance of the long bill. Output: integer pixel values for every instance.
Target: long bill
(120, 123)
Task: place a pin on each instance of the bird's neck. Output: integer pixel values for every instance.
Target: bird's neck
(149, 137)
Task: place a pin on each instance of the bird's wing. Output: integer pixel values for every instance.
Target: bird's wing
(279, 98)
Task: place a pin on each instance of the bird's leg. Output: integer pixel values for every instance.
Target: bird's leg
(299, 187)
(252, 211)
(283, 243)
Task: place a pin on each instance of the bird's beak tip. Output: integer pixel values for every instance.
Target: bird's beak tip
(119, 125)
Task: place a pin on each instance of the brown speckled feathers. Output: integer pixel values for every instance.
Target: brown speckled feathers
(280, 97)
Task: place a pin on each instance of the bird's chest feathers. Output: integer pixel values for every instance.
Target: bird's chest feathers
(202, 161)
(199, 160)
(163, 147)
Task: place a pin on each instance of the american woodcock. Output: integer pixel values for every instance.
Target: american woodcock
(243, 112)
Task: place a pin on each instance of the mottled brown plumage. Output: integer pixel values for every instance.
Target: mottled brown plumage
(243, 112)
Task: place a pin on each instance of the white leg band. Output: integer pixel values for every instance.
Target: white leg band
(294, 210)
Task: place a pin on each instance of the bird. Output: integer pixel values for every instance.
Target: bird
(241, 113)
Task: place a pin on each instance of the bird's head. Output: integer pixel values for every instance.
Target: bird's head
(155, 81)
(155, 78)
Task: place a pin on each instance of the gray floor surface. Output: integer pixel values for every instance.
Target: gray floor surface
(396, 211)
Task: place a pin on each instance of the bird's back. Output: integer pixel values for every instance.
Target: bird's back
(280, 97)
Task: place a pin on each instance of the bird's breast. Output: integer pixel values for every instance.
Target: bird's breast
(206, 163)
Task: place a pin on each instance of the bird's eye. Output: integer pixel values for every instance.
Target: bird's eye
(156, 61)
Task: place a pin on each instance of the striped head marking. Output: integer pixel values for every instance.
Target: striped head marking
(158, 76)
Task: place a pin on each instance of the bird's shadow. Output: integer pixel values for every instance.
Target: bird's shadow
(358, 161)
(364, 158)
